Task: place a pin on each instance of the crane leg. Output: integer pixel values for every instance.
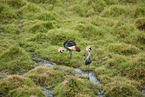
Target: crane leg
(70, 55)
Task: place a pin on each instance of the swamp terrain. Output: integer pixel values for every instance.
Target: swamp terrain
(32, 31)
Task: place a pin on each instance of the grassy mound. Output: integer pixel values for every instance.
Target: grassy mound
(104, 71)
(44, 1)
(29, 45)
(130, 1)
(113, 28)
(59, 35)
(39, 38)
(140, 23)
(116, 61)
(38, 26)
(32, 11)
(64, 69)
(134, 68)
(123, 30)
(12, 28)
(114, 11)
(121, 87)
(7, 12)
(81, 10)
(10, 86)
(26, 91)
(123, 49)
(138, 11)
(14, 3)
(74, 87)
(5, 44)
(89, 31)
(15, 60)
(140, 37)
(43, 75)
(99, 5)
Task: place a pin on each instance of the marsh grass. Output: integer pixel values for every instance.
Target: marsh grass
(43, 75)
(73, 86)
(15, 60)
(38, 26)
(134, 68)
(16, 85)
(119, 85)
(113, 28)
(104, 71)
(140, 23)
(11, 28)
(123, 49)
(66, 70)
(7, 12)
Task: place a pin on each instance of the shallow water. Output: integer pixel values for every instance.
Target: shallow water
(143, 90)
(90, 75)
(48, 92)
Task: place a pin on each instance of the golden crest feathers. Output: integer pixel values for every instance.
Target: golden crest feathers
(88, 47)
(59, 50)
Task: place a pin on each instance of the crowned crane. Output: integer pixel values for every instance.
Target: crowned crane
(70, 46)
(88, 59)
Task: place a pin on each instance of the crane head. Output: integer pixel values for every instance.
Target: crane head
(60, 50)
(88, 48)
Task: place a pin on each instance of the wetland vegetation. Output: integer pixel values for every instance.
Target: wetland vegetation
(115, 30)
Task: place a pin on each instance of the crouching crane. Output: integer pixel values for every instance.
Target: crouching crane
(69, 46)
(88, 59)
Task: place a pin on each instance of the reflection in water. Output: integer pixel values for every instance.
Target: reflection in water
(143, 90)
(48, 93)
(91, 76)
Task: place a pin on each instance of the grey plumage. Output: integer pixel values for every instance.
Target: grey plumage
(88, 59)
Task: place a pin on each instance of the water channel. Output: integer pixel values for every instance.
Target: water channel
(90, 75)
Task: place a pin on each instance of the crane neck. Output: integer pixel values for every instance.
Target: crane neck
(89, 53)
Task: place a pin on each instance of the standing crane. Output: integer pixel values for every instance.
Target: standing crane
(69, 46)
(88, 59)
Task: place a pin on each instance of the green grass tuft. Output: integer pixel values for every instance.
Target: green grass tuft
(116, 61)
(134, 68)
(26, 91)
(140, 23)
(43, 75)
(12, 28)
(7, 12)
(113, 28)
(104, 71)
(121, 87)
(73, 86)
(38, 26)
(131, 1)
(115, 11)
(44, 1)
(59, 35)
(15, 3)
(89, 31)
(15, 60)
(10, 84)
(123, 49)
